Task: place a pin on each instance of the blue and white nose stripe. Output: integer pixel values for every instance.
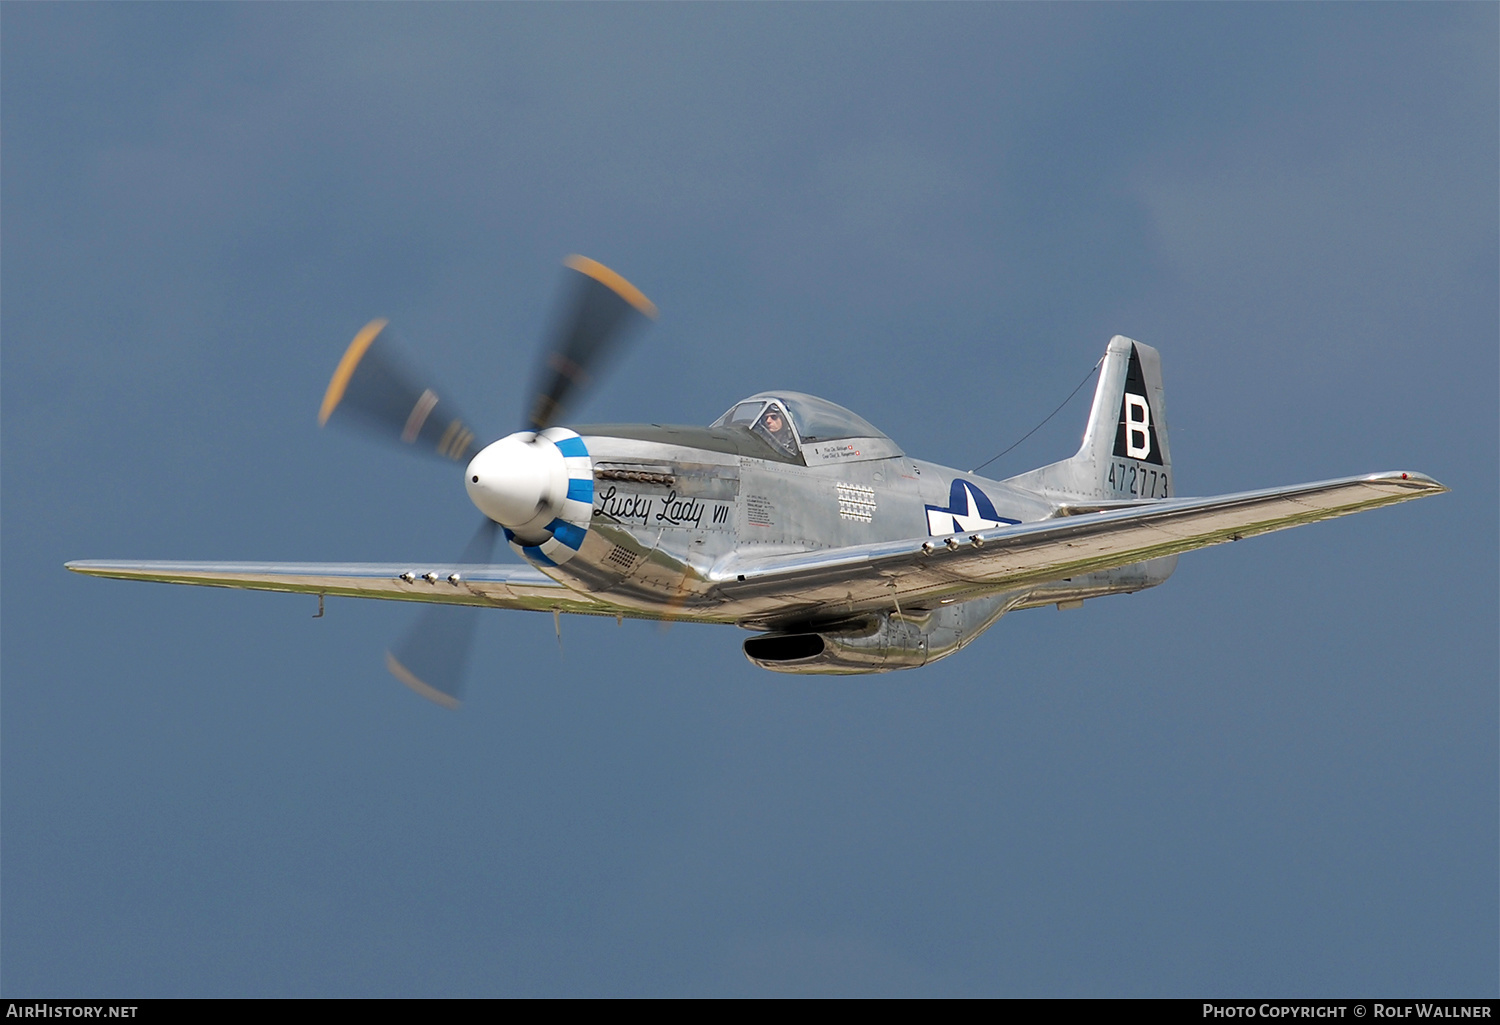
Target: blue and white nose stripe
(567, 529)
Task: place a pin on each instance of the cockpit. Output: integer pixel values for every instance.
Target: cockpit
(788, 420)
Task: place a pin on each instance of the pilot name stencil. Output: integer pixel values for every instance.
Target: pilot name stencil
(835, 451)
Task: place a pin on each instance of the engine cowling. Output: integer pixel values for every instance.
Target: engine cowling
(879, 642)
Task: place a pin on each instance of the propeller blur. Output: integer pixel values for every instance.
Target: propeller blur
(788, 516)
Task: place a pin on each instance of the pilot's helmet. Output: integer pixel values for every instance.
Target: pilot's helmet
(775, 427)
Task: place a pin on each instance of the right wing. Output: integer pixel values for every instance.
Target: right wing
(1024, 555)
(492, 586)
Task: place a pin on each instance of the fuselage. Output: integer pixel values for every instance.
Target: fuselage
(674, 509)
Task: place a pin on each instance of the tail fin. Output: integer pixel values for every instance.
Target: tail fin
(1124, 454)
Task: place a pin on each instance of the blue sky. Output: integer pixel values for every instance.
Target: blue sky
(1275, 774)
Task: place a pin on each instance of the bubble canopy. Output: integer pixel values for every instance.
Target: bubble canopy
(815, 419)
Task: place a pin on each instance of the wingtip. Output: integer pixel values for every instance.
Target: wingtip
(1413, 480)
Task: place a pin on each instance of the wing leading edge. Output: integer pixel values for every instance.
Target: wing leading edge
(502, 586)
(1009, 557)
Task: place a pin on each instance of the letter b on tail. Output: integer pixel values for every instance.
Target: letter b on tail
(1136, 430)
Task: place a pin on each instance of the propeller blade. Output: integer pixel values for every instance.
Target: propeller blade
(596, 320)
(433, 655)
(376, 388)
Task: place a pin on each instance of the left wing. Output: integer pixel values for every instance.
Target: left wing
(1009, 557)
(503, 586)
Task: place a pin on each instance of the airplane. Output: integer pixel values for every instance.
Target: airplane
(788, 516)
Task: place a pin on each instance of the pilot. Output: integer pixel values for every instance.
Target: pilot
(774, 426)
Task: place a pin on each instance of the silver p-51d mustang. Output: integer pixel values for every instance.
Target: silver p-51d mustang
(789, 516)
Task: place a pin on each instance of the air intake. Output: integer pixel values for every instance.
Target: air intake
(784, 647)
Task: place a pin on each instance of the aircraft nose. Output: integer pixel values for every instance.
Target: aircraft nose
(517, 480)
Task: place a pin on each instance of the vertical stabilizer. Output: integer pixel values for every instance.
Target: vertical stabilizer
(1124, 454)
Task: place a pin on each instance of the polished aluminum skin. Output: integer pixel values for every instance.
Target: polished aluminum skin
(799, 520)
